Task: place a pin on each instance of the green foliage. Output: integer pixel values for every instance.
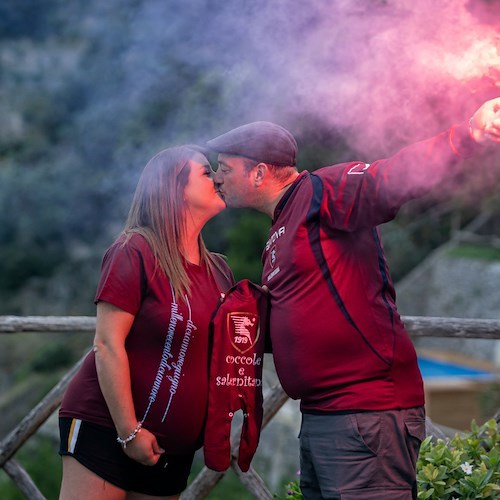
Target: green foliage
(292, 490)
(475, 252)
(51, 357)
(246, 240)
(467, 467)
(40, 459)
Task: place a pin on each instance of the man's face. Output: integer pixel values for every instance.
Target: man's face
(234, 183)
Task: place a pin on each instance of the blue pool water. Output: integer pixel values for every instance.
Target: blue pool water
(432, 368)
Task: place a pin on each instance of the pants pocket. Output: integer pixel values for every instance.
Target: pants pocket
(367, 426)
(416, 429)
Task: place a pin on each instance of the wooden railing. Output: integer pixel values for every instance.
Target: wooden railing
(206, 480)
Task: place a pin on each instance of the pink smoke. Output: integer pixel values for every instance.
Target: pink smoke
(391, 72)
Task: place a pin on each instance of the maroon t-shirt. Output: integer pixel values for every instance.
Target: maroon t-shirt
(338, 341)
(167, 346)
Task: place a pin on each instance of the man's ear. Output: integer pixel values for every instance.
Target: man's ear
(260, 171)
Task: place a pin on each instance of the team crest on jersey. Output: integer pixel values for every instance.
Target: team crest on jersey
(272, 256)
(243, 329)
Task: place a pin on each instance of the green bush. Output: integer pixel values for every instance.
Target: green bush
(51, 357)
(466, 467)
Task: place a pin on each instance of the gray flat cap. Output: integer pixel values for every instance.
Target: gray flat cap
(259, 141)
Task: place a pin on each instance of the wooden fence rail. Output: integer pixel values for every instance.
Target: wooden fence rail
(206, 480)
(417, 326)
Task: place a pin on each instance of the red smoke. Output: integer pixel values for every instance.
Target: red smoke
(477, 65)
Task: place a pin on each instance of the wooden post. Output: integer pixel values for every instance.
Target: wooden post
(35, 418)
(23, 481)
(15, 324)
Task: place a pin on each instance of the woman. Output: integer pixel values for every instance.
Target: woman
(133, 416)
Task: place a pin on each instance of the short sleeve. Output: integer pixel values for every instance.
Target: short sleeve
(123, 277)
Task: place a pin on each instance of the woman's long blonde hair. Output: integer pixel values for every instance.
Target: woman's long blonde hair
(158, 214)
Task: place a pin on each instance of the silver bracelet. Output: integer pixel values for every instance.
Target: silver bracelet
(131, 436)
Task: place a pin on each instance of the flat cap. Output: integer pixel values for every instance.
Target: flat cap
(259, 141)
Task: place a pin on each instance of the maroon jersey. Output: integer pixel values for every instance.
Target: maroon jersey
(167, 346)
(338, 341)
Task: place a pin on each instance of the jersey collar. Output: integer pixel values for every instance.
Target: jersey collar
(281, 204)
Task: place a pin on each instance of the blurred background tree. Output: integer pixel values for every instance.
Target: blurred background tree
(90, 91)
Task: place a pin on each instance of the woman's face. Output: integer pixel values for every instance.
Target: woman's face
(201, 198)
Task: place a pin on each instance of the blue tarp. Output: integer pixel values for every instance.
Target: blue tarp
(431, 368)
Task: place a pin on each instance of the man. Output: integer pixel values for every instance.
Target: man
(338, 341)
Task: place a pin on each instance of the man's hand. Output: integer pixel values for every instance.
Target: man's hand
(485, 122)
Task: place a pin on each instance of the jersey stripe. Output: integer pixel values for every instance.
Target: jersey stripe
(383, 274)
(73, 434)
(385, 283)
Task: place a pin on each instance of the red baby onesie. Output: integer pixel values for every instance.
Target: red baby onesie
(238, 335)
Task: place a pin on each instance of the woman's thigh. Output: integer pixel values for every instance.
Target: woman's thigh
(79, 482)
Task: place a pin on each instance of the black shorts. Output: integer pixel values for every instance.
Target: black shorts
(96, 448)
